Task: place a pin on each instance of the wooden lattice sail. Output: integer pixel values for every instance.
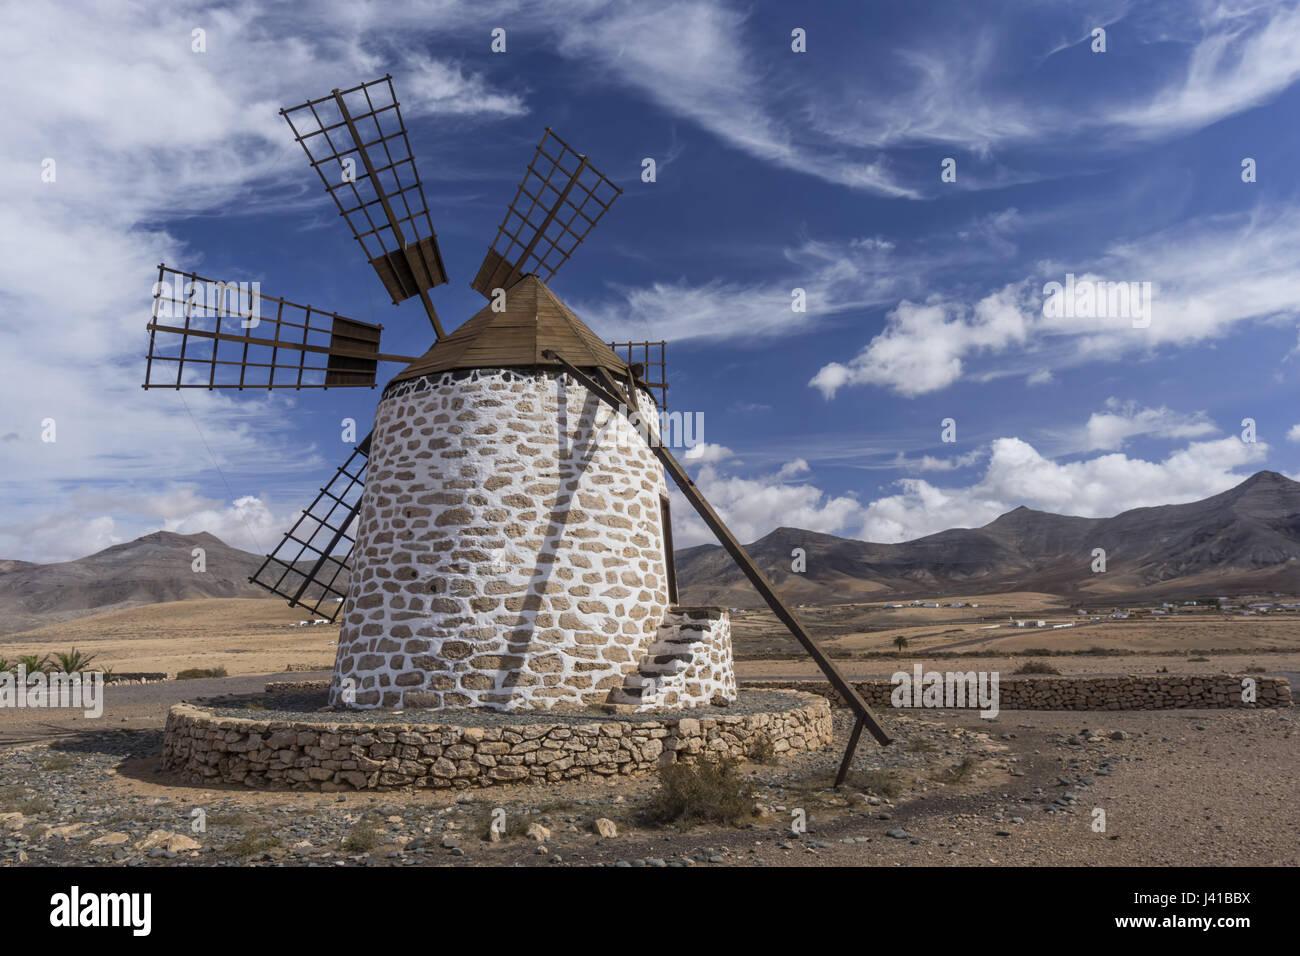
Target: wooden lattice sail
(210, 334)
(310, 567)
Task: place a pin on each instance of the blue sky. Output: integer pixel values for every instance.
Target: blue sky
(776, 170)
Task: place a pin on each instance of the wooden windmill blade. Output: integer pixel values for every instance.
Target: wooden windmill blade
(210, 334)
(356, 141)
(649, 366)
(311, 565)
(560, 200)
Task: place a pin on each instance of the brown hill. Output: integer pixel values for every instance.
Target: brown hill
(1245, 539)
(148, 570)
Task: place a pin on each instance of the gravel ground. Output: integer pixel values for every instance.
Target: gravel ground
(312, 707)
(1177, 787)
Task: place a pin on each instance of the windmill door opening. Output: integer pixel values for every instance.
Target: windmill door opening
(665, 516)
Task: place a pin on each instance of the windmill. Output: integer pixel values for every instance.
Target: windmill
(502, 537)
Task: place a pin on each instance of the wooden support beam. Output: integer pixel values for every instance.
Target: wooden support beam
(848, 693)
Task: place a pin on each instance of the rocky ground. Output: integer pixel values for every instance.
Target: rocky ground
(1176, 787)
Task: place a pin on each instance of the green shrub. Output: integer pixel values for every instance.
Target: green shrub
(196, 673)
(702, 792)
(1035, 667)
(960, 772)
(516, 824)
(252, 842)
(761, 749)
(362, 838)
(882, 783)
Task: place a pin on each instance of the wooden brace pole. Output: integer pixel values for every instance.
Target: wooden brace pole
(847, 692)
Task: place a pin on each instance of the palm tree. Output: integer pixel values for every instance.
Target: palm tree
(32, 664)
(74, 661)
(900, 642)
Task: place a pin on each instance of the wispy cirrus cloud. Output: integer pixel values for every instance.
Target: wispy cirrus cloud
(977, 86)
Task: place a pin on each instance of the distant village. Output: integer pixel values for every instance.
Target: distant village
(1249, 605)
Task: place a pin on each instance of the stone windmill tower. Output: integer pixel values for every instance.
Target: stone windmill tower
(512, 547)
(502, 537)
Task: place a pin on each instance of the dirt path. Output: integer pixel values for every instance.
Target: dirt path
(128, 707)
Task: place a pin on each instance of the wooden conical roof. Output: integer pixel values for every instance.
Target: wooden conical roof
(534, 321)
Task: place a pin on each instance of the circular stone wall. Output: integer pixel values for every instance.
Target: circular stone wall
(206, 746)
(509, 550)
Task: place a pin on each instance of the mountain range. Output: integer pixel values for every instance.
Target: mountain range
(1246, 539)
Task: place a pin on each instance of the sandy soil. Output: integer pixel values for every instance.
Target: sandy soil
(258, 636)
(243, 635)
(1178, 787)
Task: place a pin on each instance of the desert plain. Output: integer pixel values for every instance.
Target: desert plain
(1025, 788)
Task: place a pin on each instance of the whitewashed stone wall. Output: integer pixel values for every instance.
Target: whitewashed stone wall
(688, 665)
(509, 548)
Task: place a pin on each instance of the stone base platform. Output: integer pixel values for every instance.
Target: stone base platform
(284, 742)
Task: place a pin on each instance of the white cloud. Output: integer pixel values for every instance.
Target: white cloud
(707, 452)
(441, 88)
(1096, 487)
(792, 469)
(1209, 278)
(93, 518)
(1243, 56)
(176, 134)
(1109, 430)
(923, 346)
(967, 88)
(1294, 433)
(836, 277)
(691, 58)
(752, 507)
(1016, 474)
(933, 463)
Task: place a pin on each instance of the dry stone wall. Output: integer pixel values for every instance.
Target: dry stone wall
(1134, 692)
(509, 552)
(204, 748)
